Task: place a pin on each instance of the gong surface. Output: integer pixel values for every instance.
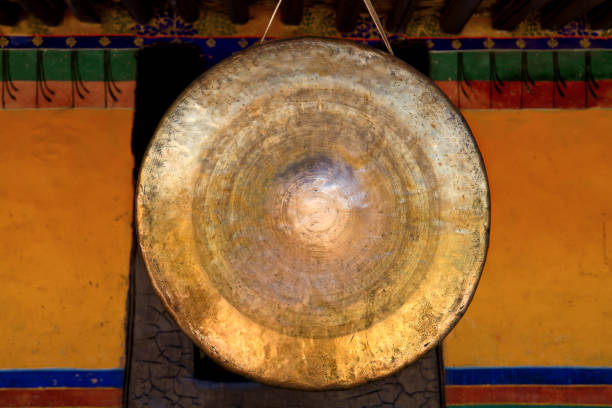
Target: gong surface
(314, 213)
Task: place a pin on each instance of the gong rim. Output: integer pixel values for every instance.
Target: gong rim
(293, 374)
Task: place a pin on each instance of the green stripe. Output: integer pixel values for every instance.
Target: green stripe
(508, 64)
(22, 65)
(57, 65)
(124, 62)
(540, 66)
(602, 64)
(572, 65)
(476, 65)
(443, 65)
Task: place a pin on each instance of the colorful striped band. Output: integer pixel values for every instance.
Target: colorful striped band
(529, 386)
(62, 378)
(100, 71)
(61, 388)
(58, 397)
(435, 43)
(528, 375)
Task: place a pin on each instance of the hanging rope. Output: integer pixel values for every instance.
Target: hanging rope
(370, 8)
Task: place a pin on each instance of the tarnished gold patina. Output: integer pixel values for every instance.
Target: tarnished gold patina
(314, 213)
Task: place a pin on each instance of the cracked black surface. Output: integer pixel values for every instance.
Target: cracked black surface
(160, 366)
(161, 371)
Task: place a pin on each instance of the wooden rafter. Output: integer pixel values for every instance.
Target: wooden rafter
(456, 14)
(238, 10)
(400, 15)
(187, 9)
(292, 11)
(140, 10)
(50, 12)
(600, 17)
(511, 13)
(557, 14)
(9, 13)
(347, 12)
(84, 10)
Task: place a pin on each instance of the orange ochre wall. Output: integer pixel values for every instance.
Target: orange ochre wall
(65, 237)
(543, 300)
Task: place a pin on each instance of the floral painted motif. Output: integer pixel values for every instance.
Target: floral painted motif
(423, 26)
(214, 23)
(365, 28)
(166, 23)
(578, 28)
(319, 21)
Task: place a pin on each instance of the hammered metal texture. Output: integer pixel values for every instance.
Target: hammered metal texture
(314, 213)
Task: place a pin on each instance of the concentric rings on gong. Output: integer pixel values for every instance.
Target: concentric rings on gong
(310, 217)
(314, 213)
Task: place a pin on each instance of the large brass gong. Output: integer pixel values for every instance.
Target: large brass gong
(314, 213)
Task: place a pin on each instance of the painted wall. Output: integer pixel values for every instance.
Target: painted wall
(542, 301)
(544, 297)
(65, 241)
(538, 330)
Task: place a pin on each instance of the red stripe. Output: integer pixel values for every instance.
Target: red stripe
(516, 96)
(557, 394)
(60, 397)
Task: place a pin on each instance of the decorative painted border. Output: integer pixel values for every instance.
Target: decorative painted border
(529, 386)
(475, 73)
(61, 378)
(61, 388)
(528, 375)
(434, 43)
(497, 79)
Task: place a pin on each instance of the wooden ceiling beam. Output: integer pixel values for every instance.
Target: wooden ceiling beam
(512, 13)
(84, 10)
(456, 14)
(9, 13)
(187, 9)
(347, 13)
(600, 18)
(140, 10)
(292, 11)
(51, 13)
(238, 11)
(557, 14)
(400, 15)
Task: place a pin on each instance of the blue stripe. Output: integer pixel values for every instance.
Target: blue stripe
(49, 378)
(528, 376)
(224, 44)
